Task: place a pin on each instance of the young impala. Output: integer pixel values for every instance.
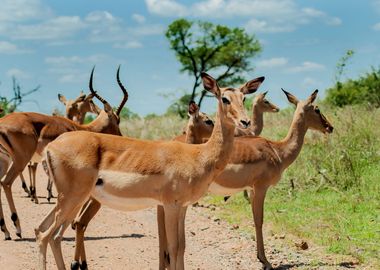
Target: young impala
(257, 163)
(23, 136)
(131, 174)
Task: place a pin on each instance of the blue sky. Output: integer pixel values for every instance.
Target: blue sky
(55, 44)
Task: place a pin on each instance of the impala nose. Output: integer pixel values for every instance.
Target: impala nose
(245, 123)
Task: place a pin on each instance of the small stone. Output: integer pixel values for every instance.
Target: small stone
(235, 226)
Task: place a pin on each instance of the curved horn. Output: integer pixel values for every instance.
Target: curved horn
(125, 98)
(92, 89)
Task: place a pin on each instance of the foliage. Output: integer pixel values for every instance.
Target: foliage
(180, 106)
(203, 47)
(8, 105)
(365, 90)
(126, 113)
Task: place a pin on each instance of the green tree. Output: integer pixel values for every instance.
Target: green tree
(202, 47)
(9, 105)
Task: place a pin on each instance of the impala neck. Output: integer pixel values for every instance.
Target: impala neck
(219, 146)
(100, 123)
(257, 120)
(291, 146)
(191, 136)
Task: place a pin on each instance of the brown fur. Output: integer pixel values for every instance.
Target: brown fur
(259, 163)
(26, 134)
(177, 174)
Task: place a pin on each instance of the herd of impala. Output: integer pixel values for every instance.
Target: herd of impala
(221, 157)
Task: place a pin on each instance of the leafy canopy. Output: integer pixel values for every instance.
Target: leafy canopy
(206, 47)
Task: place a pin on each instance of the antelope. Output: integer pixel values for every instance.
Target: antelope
(23, 136)
(74, 110)
(131, 174)
(200, 126)
(257, 163)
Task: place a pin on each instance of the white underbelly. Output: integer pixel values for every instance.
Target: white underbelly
(121, 203)
(221, 190)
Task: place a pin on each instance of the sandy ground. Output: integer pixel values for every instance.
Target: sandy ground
(117, 240)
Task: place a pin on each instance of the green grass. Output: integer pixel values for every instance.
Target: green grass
(335, 201)
(335, 197)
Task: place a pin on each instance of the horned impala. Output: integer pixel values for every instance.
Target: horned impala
(131, 174)
(23, 136)
(257, 163)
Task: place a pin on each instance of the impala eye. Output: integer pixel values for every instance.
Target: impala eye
(226, 101)
(266, 101)
(317, 110)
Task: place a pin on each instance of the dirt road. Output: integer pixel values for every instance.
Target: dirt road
(117, 240)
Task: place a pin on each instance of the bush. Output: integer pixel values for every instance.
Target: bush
(365, 90)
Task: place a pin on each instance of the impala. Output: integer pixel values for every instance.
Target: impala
(23, 136)
(77, 109)
(131, 174)
(257, 163)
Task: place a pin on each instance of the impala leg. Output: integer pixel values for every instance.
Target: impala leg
(49, 189)
(7, 185)
(23, 184)
(88, 211)
(4, 165)
(181, 239)
(64, 211)
(33, 168)
(172, 224)
(31, 186)
(257, 204)
(163, 249)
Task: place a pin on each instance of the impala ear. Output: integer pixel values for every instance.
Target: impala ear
(265, 93)
(193, 109)
(62, 99)
(312, 97)
(251, 86)
(291, 98)
(210, 84)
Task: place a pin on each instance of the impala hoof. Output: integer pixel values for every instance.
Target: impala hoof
(83, 266)
(75, 265)
(8, 238)
(19, 235)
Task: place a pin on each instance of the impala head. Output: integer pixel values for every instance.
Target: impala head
(313, 116)
(232, 99)
(263, 105)
(199, 123)
(113, 116)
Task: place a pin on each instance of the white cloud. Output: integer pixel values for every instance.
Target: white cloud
(272, 62)
(309, 82)
(18, 73)
(376, 5)
(305, 67)
(376, 27)
(22, 10)
(65, 62)
(258, 26)
(56, 28)
(269, 16)
(138, 18)
(168, 8)
(128, 45)
(10, 48)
